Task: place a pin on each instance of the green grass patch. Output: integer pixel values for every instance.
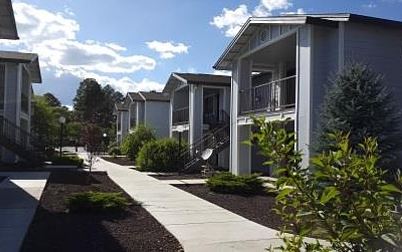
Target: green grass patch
(226, 182)
(89, 202)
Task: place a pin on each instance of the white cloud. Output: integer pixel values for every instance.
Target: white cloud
(123, 84)
(54, 37)
(298, 11)
(222, 72)
(167, 50)
(266, 7)
(369, 5)
(232, 20)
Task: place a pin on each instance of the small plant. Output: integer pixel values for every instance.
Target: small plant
(343, 198)
(133, 143)
(88, 202)
(160, 156)
(92, 138)
(226, 182)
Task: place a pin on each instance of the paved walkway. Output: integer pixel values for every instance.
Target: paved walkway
(198, 224)
(19, 197)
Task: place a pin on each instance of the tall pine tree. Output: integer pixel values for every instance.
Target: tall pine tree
(358, 102)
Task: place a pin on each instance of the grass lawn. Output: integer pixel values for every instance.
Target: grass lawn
(54, 229)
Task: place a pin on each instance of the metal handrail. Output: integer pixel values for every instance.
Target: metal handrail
(17, 136)
(269, 96)
(211, 140)
(180, 115)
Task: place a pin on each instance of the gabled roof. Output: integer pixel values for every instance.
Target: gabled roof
(135, 96)
(31, 59)
(253, 23)
(155, 96)
(196, 78)
(8, 29)
(120, 106)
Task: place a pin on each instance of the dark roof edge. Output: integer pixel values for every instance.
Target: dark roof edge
(375, 20)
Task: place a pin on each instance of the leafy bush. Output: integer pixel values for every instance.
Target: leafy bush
(87, 202)
(358, 102)
(343, 198)
(133, 142)
(67, 160)
(226, 182)
(114, 149)
(160, 156)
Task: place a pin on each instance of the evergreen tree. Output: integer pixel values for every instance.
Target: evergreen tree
(358, 102)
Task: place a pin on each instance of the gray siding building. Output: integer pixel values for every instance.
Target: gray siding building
(149, 108)
(281, 65)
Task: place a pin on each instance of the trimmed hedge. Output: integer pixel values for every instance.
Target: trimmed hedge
(160, 156)
(133, 142)
(67, 160)
(226, 182)
(88, 202)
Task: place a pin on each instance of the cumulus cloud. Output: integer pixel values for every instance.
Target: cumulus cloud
(230, 21)
(222, 72)
(124, 84)
(298, 11)
(167, 50)
(54, 37)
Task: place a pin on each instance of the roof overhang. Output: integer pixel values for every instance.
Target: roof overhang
(30, 59)
(8, 29)
(173, 82)
(252, 24)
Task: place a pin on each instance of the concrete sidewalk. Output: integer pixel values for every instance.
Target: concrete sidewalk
(19, 197)
(198, 224)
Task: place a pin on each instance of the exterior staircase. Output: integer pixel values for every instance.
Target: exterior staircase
(216, 139)
(24, 144)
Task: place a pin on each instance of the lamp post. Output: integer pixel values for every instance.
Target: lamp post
(62, 121)
(104, 141)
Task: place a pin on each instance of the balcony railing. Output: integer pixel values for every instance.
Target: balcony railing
(180, 116)
(274, 96)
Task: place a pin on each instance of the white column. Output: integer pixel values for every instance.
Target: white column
(171, 101)
(305, 56)
(195, 113)
(239, 155)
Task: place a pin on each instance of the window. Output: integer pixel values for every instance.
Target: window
(2, 84)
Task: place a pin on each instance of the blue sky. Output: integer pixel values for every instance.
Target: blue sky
(135, 45)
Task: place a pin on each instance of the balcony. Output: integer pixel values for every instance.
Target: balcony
(274, 96)
(180, 116)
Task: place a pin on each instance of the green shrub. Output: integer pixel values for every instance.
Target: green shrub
(67, 160)
(160, 156)
(343, 198)
(359, 102)
(96, 202)
(114, 151)
(226, 182)
(133, 142)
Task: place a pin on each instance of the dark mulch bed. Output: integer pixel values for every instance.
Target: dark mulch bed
(2, 178)
(178, 176)
(120, 160)
(256, 208)
(53, 229)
